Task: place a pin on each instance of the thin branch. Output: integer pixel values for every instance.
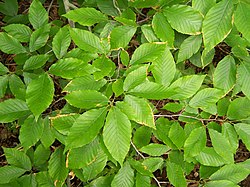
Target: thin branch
(191, 117)
(119, 64)
(67, 6)
(117, 8)
(156, 180)
(143, 157)
(138, 152)
(50, 5)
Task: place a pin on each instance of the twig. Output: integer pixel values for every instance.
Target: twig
(50, 5)
(191, 117)
(68, 182)
(67, 6)
(117, 8)
(138, 152)
(143, 157)
(119, 64)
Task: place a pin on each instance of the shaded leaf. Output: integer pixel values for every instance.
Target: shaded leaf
(8, 173)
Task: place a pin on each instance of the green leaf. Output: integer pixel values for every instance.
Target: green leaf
(232, 172)
(69, 68)
(4, 80)
(124, 177)
(17, 158)
(105, 67)
(147, 52)
(162, 66)
(43, 179)
(13, 109)
(61, 42)
(185, 87)
(9, 173)
(63, 123)
(96, 166)
(241, 19)
(217, 23)
(189, 47)
(173, 107)
(117, 87)
(86, 40)
(19, 31)
(162, 29)
(47, 137)
(17, 87)
(86, 128)
(221, 183)
(41, 156)
(148, 33)
(117, 134)
(177, 135)
(135, 77)
(243, 76)
(184, 19)
(121, 35)
(225, 74)
(31, 131)
(3, 69)
(86, 99)
(84, 83)
(142, 180)
(195, 142)
(205, 98)
(176, 175)
(10, 45)
(124, 57)
(222, 146)
(243, 130)
(151, 90)
(83, 156)
(57, 166)
(9, 8)
(35, 62)
(142, 169)
(229, 133)
(39, 38)
(142, 136)
(208, 157)
(153, 163)
(86, 16)
(233, 110)
(203, 6)
(39, 94)
(154, 149)
(162, 129)
(138, 110)
(38, 16)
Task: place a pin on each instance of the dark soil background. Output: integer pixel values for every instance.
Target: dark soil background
(9, 133)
